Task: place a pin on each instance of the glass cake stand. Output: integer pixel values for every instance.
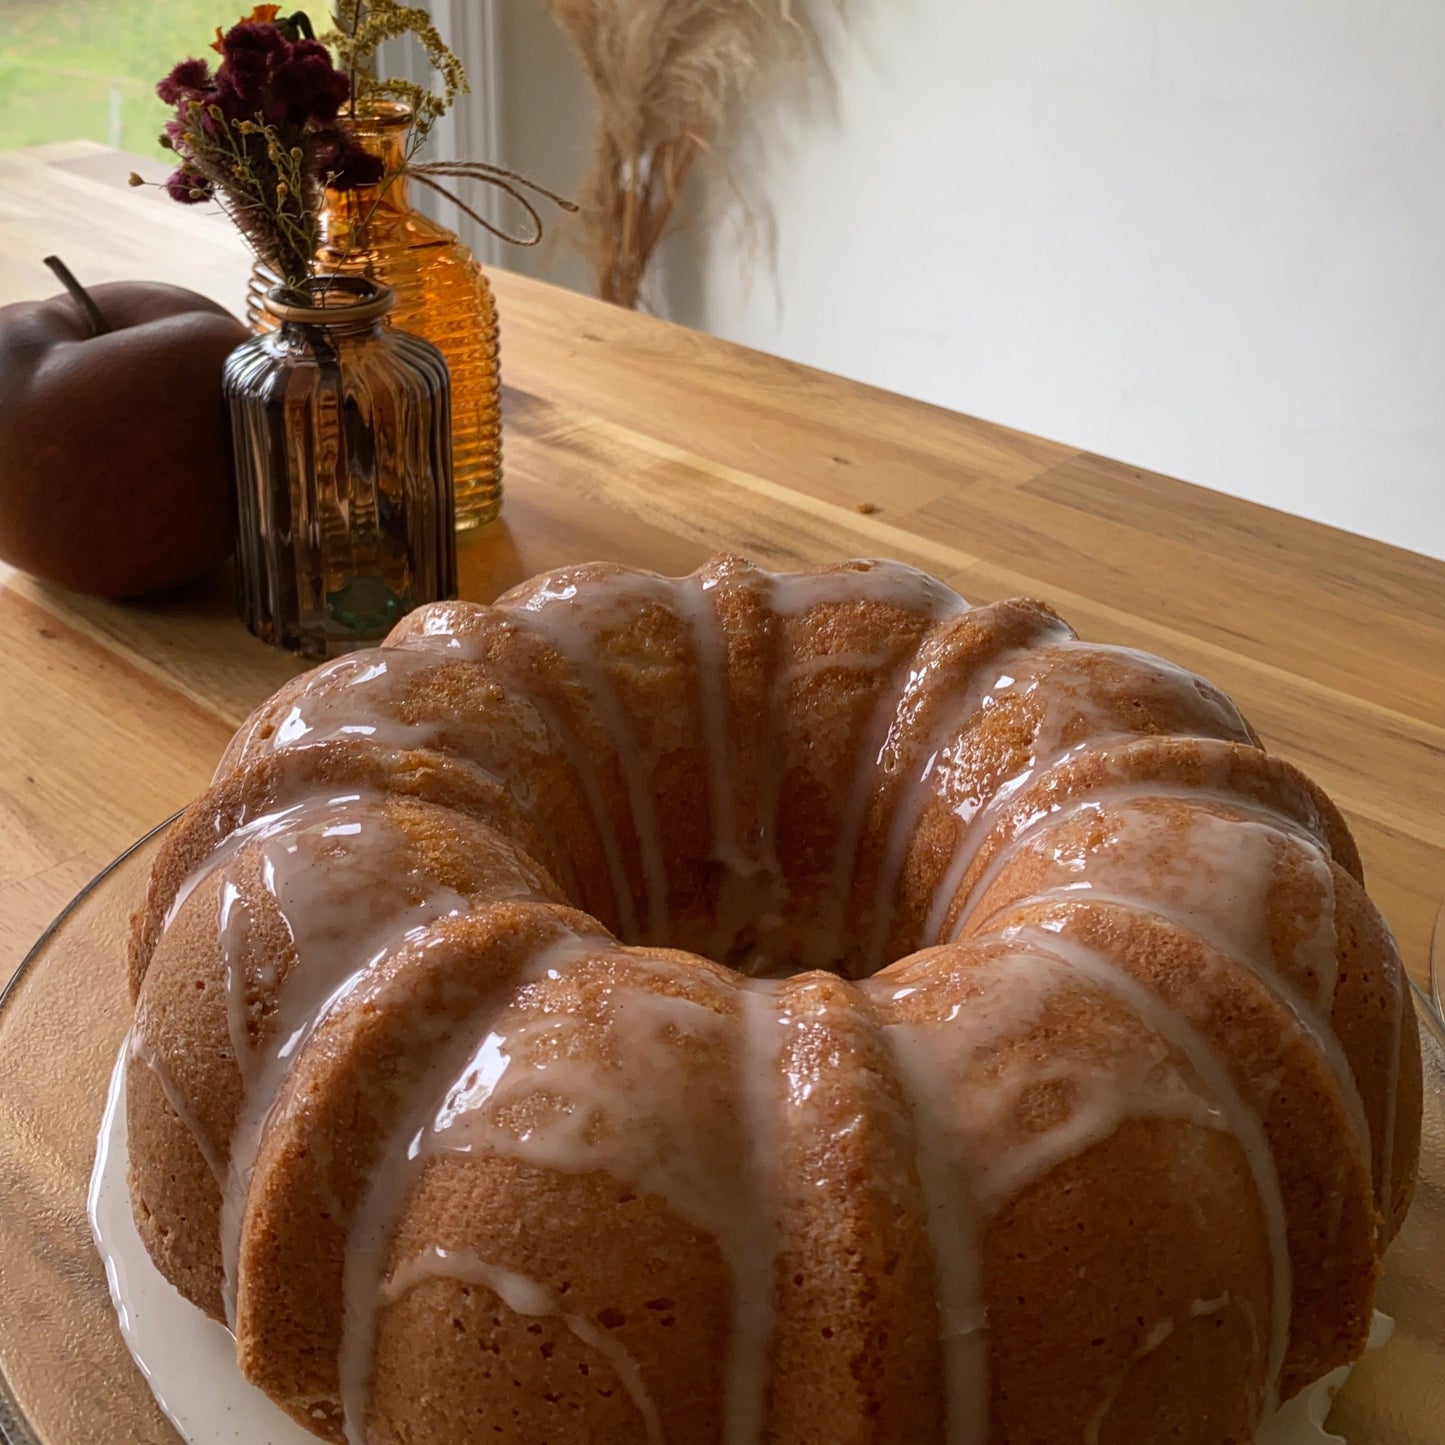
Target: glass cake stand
(66, 1377)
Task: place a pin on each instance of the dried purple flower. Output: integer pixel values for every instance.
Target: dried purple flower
(343, 164)
(308, 84)
(263, 135)
(251, 38)
(188, 187)
(248, 54)
(190, 80)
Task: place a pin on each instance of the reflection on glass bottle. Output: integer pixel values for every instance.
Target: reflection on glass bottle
(341, 442)
(441, 294)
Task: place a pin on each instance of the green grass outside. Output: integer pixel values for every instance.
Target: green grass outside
(86, 69)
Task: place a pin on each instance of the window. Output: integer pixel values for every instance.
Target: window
(86, 69)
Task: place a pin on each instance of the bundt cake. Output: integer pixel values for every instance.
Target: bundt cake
(788, 1008)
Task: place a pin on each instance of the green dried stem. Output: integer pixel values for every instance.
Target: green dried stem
(362, 25)
(270, 191)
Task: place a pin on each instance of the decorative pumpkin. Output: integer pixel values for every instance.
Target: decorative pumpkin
(113, 446)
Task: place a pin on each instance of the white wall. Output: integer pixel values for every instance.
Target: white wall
(1203, 236)
(546, 114)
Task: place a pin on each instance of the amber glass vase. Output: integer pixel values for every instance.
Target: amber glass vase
(341, 441)
(441, 294)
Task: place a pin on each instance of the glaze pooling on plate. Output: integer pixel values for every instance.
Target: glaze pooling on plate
(188, 1361)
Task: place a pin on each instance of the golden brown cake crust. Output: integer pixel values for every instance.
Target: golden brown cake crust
(1051, 1032)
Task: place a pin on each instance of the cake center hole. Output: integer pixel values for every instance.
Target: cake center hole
(750, 928)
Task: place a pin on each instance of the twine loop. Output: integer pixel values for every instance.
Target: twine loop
(509, 181)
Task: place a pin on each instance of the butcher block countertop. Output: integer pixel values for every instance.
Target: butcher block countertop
(632, 439)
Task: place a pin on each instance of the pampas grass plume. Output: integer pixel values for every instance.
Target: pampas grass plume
(666, 73)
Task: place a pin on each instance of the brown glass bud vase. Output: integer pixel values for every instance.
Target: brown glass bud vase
(341, 438)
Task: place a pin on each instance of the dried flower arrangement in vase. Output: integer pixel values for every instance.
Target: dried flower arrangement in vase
(371, 228)
(665, 73)
(341, 429)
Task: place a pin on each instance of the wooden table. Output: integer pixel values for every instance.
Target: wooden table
(632, 439)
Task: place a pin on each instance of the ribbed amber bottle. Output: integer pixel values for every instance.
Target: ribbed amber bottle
(441, 295)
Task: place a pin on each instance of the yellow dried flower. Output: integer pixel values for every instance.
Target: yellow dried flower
(362, 25)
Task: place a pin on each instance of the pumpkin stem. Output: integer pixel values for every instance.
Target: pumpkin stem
(98, 324)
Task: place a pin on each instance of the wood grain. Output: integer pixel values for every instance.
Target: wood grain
(632, 439)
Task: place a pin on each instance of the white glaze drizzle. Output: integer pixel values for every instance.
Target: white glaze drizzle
(971, 1157)
(1101, 1102)
(342, 920)
(256, 832)
(974, 832)
(746, 876)
(726, 847)
(894, 584)
(141, 1049)
(527, 1297)
(1151, 1342)
(793, 597)
(862, 789)
(604, 823)
(626, 1116)
(754, 1239)
(394, 1175)
(952, 1235)
(774, 899)
(248, 830)
(554, 719)
(334, 873)
(1243, 1121)
(1211, 876)
(1199, 1308)
(575, 628)
(362, 697)
(1111, 794)
(354, 696)
(801, 669)
(997, 678)
(977, 816)
(189, 1362)
(761, 900)
(1305, 1017)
